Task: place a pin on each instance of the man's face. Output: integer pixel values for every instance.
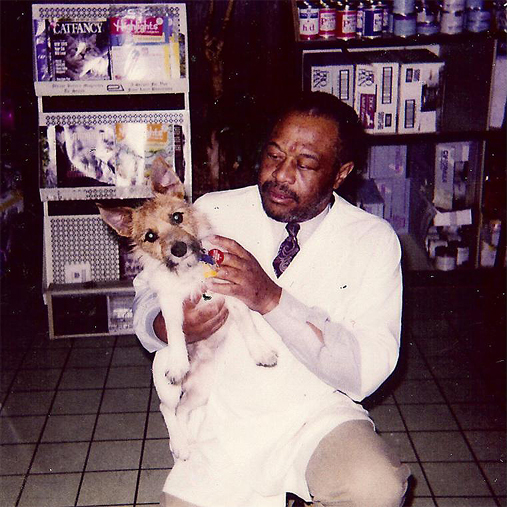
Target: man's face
(298, 170)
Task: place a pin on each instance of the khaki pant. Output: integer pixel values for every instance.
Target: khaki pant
(351, 467)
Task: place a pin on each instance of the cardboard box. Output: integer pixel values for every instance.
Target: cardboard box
(420, 91)
(396, 193)
(331, 73)
(388, 161)
(449, 160)
(376, 91)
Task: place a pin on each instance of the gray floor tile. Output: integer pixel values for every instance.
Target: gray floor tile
(480, 416)
(114, 455)
(129, 376)
(131, 356)
(59, 458)
(125, 400)
(36, 380)
(77, 402)
(466, 502)
(10, 488)
(157, 454)
(52, 490)
(16, 458)
(401, 443)
(456, 479)
(95, 357)
(17, 430)
(487, 445)
(496, 474)
(28, 403)
(105, 488)
(150, 485)
(387, 418)
(428, 417)
(69, 428)
(83, 378)
(418, 391)
(120, 426)
(441, 446)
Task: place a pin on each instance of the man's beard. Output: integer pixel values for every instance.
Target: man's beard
(296, 214)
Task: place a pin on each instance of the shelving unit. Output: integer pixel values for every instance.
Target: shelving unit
(469, 61)
(99, 134)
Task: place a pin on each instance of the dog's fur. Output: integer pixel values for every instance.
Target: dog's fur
(167, 235)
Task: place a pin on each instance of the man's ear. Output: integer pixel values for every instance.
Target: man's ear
(164, 180)
(342, 173)
(120, 219)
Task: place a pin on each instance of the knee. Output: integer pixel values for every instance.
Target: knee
(382, 487)
(367, 487)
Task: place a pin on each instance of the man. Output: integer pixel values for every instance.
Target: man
(332, 312)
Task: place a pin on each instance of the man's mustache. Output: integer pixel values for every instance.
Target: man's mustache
(267, 186)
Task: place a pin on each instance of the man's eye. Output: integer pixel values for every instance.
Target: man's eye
(151, 237)
(275, 156)
(177, 218)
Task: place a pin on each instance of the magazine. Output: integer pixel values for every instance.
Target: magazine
(144, 48)
(79, 50)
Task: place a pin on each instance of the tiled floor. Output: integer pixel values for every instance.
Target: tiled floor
(79, 422)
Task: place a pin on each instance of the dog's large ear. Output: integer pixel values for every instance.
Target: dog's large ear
(120, 219)
(164, 180)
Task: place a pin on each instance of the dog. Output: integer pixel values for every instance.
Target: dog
(167, 234)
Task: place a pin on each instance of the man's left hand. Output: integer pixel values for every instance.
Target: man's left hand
(241, 276)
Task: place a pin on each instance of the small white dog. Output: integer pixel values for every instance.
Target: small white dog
(167, 234)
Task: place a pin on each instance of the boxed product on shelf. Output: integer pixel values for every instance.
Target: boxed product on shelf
(389, 161)
(420, 91)
(332, 73)
(376, 91)
(370, 199)
(396, 193)
(450, 162)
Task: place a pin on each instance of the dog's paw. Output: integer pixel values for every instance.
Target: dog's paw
(179, 448)
(264, 355)
(177, 369)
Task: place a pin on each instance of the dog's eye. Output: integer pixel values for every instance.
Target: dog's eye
(177, 218)
(151, 237)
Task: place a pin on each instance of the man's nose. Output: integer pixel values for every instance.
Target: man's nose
(285, 171)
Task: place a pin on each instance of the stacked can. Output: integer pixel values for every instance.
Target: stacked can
(346, 20)
(478, 15)
(308, 20)
(452, 17)
(427, 17)
(370, 14)
(404, 19)
(327, 19)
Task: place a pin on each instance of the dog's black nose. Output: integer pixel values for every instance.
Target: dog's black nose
(179, 249)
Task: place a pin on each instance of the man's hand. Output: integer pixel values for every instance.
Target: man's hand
(200, 319)
(241, 276)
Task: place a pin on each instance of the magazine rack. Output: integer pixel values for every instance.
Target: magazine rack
(112, 87)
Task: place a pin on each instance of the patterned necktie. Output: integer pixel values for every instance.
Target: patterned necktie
(288, 249)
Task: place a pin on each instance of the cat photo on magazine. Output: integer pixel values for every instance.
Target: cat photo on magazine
(79, 50)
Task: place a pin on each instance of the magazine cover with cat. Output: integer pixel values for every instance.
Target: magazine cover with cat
(79, 50)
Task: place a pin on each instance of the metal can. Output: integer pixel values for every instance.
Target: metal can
(382, 4)
(346, 21)
(426, 12)
(452, 22)
(372, 22)
(427, 29)
(405, 25)
(308, 20)
(327, 19)
(453, 5)
(403, 6)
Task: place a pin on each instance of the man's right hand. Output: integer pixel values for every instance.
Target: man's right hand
(200, 318)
